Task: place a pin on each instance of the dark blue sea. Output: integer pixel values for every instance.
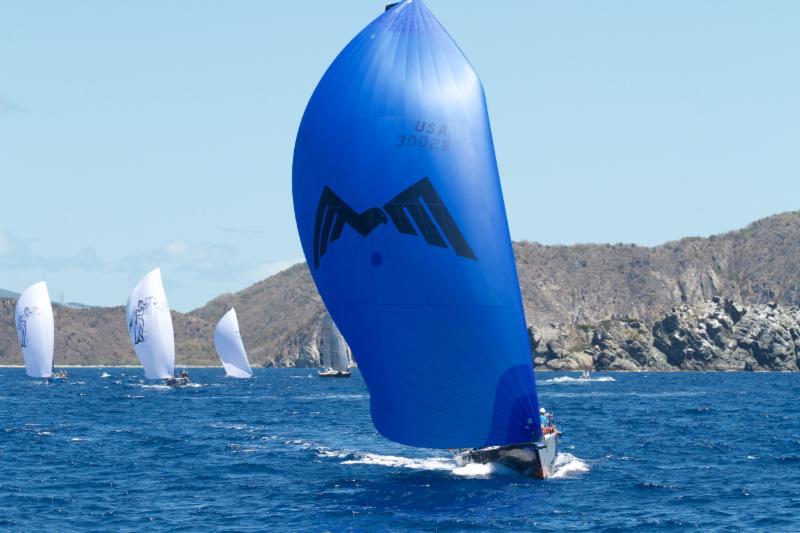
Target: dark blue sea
(288, 451)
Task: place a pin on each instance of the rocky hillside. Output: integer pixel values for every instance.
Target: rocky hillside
(588, 306)
(719, 334)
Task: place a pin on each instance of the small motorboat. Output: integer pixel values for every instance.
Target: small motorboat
(585, 375)
(535, 459)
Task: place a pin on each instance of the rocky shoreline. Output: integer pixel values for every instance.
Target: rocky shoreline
(719, 334)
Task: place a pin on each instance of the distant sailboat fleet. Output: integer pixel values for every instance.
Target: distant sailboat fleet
(150, 329)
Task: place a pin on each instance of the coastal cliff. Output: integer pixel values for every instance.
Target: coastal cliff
(714, 335)
(726, 302)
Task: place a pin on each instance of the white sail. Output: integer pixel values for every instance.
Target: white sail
(150, 327)
(34, 321)
(333, 349)
(230, 348)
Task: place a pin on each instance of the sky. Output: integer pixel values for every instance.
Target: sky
(150, 133)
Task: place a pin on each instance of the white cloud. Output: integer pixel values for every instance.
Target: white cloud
(14, 253)
(271, 268)
(202, 260)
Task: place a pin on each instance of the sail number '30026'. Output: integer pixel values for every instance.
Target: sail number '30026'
(430, 135)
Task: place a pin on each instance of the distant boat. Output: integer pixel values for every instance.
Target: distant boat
(399, 208)
(150, 329)
(228, 342)
(36, 331)
(585, 375)
(333, 351)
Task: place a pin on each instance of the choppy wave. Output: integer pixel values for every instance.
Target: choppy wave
(257, 438)
(333, 397)
(167, 387)
(568, 466)
(571, 380)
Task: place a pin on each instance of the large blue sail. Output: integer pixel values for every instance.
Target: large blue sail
(398, 204)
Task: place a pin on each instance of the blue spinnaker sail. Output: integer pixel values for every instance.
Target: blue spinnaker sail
(398, 204)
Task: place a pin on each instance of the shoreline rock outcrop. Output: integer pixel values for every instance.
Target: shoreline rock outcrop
(718, 334)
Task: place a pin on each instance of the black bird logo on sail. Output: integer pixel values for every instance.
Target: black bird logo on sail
(417, 210)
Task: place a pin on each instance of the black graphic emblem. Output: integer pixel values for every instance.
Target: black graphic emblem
(22, 324)
(136, 324)
(420, 201)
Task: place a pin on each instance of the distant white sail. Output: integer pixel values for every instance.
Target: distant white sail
(230, 348)
(34, 321)
(333, 349)
(150, 327)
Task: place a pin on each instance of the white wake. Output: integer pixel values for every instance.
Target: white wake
(394, 461)
(579, 381)
(568, 466)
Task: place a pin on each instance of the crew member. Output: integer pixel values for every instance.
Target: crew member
(544, 420)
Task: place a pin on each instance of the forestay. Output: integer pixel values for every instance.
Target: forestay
(35, 330)
(150, 327)
(229, 345)
(398, 204)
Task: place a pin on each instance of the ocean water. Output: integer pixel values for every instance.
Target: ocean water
(291, 452)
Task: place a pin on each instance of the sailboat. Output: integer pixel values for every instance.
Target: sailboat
(36, 332)
(150, 329)
(333, 351)
(229, 345)
(400, 212)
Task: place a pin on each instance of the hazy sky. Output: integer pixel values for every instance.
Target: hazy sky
(137, 134)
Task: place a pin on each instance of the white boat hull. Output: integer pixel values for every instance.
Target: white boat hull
(535, 459)
(57, 377)
(334, 373)
(176, 382)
